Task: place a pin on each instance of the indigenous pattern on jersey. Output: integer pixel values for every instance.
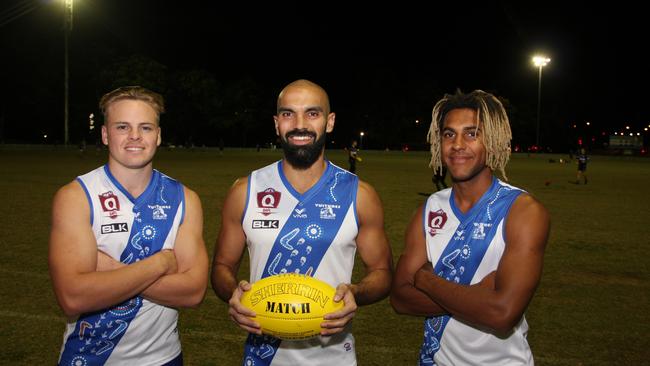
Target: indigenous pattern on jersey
(311, 233)
(137, 331)
(464, 248)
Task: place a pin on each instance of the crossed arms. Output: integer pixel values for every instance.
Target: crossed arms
(86, 279)
(499, 300)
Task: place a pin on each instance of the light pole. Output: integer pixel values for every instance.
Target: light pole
(67, 28)
(361, 139)
(539, 61)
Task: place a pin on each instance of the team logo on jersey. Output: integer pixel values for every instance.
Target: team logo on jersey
(327, 210)
(266, 224)
(109, 203)
(479, 230)
(121, 227)
(268, 199)
(159, 211)
(299, 213)
(436, 221)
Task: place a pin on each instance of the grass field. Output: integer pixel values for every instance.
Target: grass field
(591, 308)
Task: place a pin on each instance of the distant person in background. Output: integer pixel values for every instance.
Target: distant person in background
(353, 153)
(82, 146)
(473, 253)
(322, 216)
(438, 178)
(126, 246)
(582, 160)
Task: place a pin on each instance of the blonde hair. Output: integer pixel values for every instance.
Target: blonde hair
(155, 100)
(492, 120)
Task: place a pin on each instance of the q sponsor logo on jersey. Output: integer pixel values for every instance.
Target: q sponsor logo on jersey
(436, 221)
(110, 204)
(267, 200)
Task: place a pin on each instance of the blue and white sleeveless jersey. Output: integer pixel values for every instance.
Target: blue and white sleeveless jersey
(137, 331)
(464, 248)
(311, 233)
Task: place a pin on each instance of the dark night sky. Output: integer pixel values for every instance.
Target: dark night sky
(596, 74)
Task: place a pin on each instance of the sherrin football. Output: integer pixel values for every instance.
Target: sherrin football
(290, 306)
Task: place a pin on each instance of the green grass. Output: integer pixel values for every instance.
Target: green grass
(591, 307)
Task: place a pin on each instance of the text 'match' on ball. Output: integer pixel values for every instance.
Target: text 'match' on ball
(291, 306)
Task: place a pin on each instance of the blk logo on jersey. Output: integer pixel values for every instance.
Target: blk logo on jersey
(436, 221)
(121, 227)
(267, 200)
(266, 224)
(109, 203)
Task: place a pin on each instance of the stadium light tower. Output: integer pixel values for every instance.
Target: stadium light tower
(361, 134)
(67, 28)
(539, 61)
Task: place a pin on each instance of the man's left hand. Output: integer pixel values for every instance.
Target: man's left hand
(335, 322)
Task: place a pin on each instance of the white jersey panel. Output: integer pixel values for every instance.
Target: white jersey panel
(337, 265)
(269, 203)
(156, 343)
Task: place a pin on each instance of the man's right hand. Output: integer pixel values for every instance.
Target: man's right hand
(107, 263)
(240, 314)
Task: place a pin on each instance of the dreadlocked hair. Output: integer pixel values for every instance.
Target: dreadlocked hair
(492, 120)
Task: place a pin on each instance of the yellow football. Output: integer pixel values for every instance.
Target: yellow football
(290, 306)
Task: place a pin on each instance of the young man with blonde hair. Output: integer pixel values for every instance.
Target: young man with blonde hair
(126, 246)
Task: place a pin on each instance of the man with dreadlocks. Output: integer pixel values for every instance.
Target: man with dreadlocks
(473, 253)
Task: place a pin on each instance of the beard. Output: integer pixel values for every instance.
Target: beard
(302, 157)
